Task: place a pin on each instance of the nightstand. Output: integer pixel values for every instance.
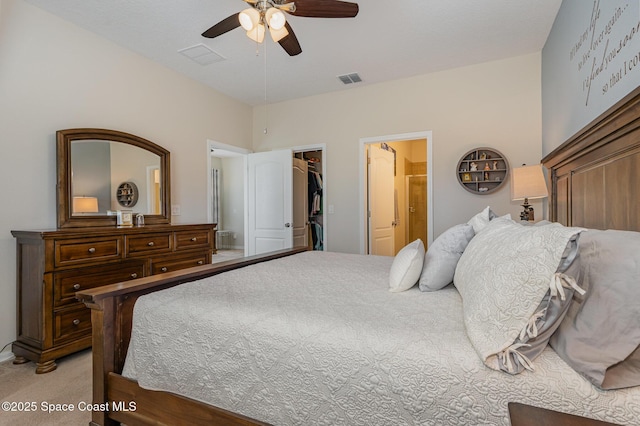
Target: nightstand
(527, 415)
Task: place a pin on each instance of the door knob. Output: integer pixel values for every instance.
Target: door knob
(287, 225)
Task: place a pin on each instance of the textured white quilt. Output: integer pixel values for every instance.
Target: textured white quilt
(317, 339)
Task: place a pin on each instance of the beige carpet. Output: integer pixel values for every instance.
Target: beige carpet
(70, 383)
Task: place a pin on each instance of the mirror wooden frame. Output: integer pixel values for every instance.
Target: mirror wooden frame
(64, 194)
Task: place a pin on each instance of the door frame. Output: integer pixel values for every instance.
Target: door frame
(211, 146)
(428, 134)
(320, 147)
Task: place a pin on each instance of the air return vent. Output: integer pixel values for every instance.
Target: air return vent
(201, 54)
(350, 78)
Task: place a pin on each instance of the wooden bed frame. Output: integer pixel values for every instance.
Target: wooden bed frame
(595, 176)
(594, 182)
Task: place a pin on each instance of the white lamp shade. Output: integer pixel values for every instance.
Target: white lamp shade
(275, 18)
(249, 18)
(278, 35)
(85, 205)
(528, 182)
(257, 34)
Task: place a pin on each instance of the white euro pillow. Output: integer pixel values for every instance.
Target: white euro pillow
(406, 267)
(504, 276)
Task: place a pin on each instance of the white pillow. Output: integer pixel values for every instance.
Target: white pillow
(503, 276)
(406, 267)
(442, 257)
(480, 220)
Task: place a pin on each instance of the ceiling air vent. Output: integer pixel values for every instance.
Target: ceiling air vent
(350, 78)
(201, 54)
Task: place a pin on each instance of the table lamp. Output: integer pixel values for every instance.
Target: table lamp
(85, 205)
(527, 182)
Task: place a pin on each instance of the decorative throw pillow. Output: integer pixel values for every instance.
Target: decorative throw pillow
(507, 277)
(606, 352)
(406, 267)
(442, 257)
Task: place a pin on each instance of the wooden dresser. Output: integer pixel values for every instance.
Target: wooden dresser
(54, 265)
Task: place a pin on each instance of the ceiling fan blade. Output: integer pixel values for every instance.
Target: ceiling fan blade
(290, 42)
(227, 24)
(325, 9)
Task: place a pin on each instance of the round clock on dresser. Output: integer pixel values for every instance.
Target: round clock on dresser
(482, 170)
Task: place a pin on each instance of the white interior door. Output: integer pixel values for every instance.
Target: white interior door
(270, 194)
(300, 203)
(381, 201)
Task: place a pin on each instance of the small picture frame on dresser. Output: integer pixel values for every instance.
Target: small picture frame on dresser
(124, 218)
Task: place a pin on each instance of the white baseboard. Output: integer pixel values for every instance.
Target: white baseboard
(6, 356)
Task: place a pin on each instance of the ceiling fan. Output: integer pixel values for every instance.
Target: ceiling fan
(266, 15)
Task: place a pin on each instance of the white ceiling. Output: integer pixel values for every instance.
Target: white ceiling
(388, 40)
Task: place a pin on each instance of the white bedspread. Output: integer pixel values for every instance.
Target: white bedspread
(317, 339)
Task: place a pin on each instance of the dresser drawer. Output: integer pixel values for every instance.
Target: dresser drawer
(192, 239)
(65, 284)
(148, 243)
(169, 264)
(71, 323)
(74, 251)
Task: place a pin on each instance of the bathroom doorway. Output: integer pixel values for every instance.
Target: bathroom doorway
(411, 196)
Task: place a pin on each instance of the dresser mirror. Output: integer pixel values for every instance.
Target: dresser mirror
(97, 171)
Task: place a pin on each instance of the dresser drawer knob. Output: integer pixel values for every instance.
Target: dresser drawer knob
(194, 239)
(163, 269)
(92, 250)
(200, 262)
(76, 286)
(76, 321)
(134, 275)
(150, 243)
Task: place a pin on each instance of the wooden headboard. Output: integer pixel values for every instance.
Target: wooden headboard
(594, 177)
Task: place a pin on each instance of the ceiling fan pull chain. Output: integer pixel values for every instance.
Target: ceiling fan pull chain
(265, 90)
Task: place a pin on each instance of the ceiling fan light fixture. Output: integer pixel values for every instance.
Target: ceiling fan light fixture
(278, 35)
(275, 18)
(249, 18)
(257, 34)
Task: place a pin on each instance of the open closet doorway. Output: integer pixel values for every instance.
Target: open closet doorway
(396, 195)
(310, 226)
